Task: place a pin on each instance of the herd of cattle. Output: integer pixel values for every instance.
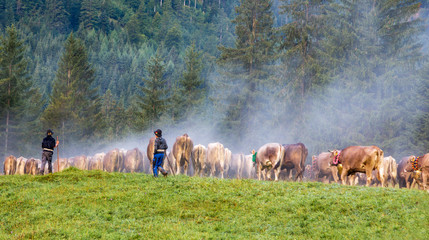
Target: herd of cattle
(352, 165)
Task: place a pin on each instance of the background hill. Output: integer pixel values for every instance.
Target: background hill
(108, 72)
(98, 205)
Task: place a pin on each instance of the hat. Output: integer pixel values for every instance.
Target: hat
(158, 132)
(49, 131)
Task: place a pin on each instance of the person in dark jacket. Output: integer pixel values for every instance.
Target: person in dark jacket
(48, 146)
(159, 153)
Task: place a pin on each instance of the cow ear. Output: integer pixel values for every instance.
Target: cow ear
(330, 151)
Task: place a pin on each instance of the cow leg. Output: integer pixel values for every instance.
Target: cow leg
(424, 178)
(352, 179)
(380, 176)
(368, 172)
(344, 177)
(277, 173)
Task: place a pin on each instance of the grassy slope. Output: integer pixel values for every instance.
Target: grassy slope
(93, 204)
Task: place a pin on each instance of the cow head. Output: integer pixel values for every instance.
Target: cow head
(412, 164)
(334, 155)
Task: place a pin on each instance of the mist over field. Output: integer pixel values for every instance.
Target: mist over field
(329, 74)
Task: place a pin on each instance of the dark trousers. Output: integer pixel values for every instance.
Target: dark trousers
(157, 163)
(46, 157)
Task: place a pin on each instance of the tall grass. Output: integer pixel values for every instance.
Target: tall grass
(78, 204)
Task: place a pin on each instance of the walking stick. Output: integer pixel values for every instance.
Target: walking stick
(169, 164)
(58, 158)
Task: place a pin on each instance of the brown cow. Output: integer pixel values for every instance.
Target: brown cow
(270, 156)
(182, 152)
(20, 165)
(32, 166)
(323, 170)
(79, 162)
(96, 162)
(169, 163)
(133, 161)
(404, 178)
(294, 158)
(215, 159)
(113, 161)
(199, 156)
(64, 164)
(361, 159)
(10, 165)
(419, 164)
(149, 151)
(307, 173)
(236, 166)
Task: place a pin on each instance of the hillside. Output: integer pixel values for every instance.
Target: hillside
(78, 204)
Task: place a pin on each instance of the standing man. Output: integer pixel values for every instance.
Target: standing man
(48, 146)
(159, 153)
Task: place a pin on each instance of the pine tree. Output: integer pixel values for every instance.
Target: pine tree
(16, 91)
(74, 106)
(153, 102)
(247, 62)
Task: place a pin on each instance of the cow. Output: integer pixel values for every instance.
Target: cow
(150, 151)
(169, 163)
(133, 161)
(32, 166)
(79, 162)
(215, 159)
(236, 166)
(270, 157)
(96, 162)
(307, 173)
(182, 152)
(9, 165)
(364, 159)
(404, 178)
(248, 169)
(113, 161)
(389, 170)
(63, 164)
(294, 158)
(199, 158)
(419, 164)
(20, 165)
(228, 156)
(322, 169)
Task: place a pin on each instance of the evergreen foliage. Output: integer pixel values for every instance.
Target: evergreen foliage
(74, 99)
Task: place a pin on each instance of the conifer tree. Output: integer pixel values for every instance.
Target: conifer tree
(153, 102)
(74, 106)
(247, 61)
(16, 92)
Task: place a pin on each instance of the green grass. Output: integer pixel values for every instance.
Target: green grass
(78, 204)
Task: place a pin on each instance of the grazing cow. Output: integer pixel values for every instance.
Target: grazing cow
(404, 178)
(270, 156)
(182, 152)
(323, 170)
(79, 162)
(96, 162)
(236, 166)
(199, 158)
(133, 161)
(228, 156)
(215, 159)
(307, 173)
(20, 165)
(113, 161)
(294, 158)
(364, 159)
(32, 166)
(419, 164)
(10, 165)
(249, 167)
(149, 151)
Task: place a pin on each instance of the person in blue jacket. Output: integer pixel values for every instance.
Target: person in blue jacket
(160, 150)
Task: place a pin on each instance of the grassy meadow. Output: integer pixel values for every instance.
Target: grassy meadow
(78, 204)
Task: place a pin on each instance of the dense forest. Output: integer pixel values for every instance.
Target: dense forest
(328, 73)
